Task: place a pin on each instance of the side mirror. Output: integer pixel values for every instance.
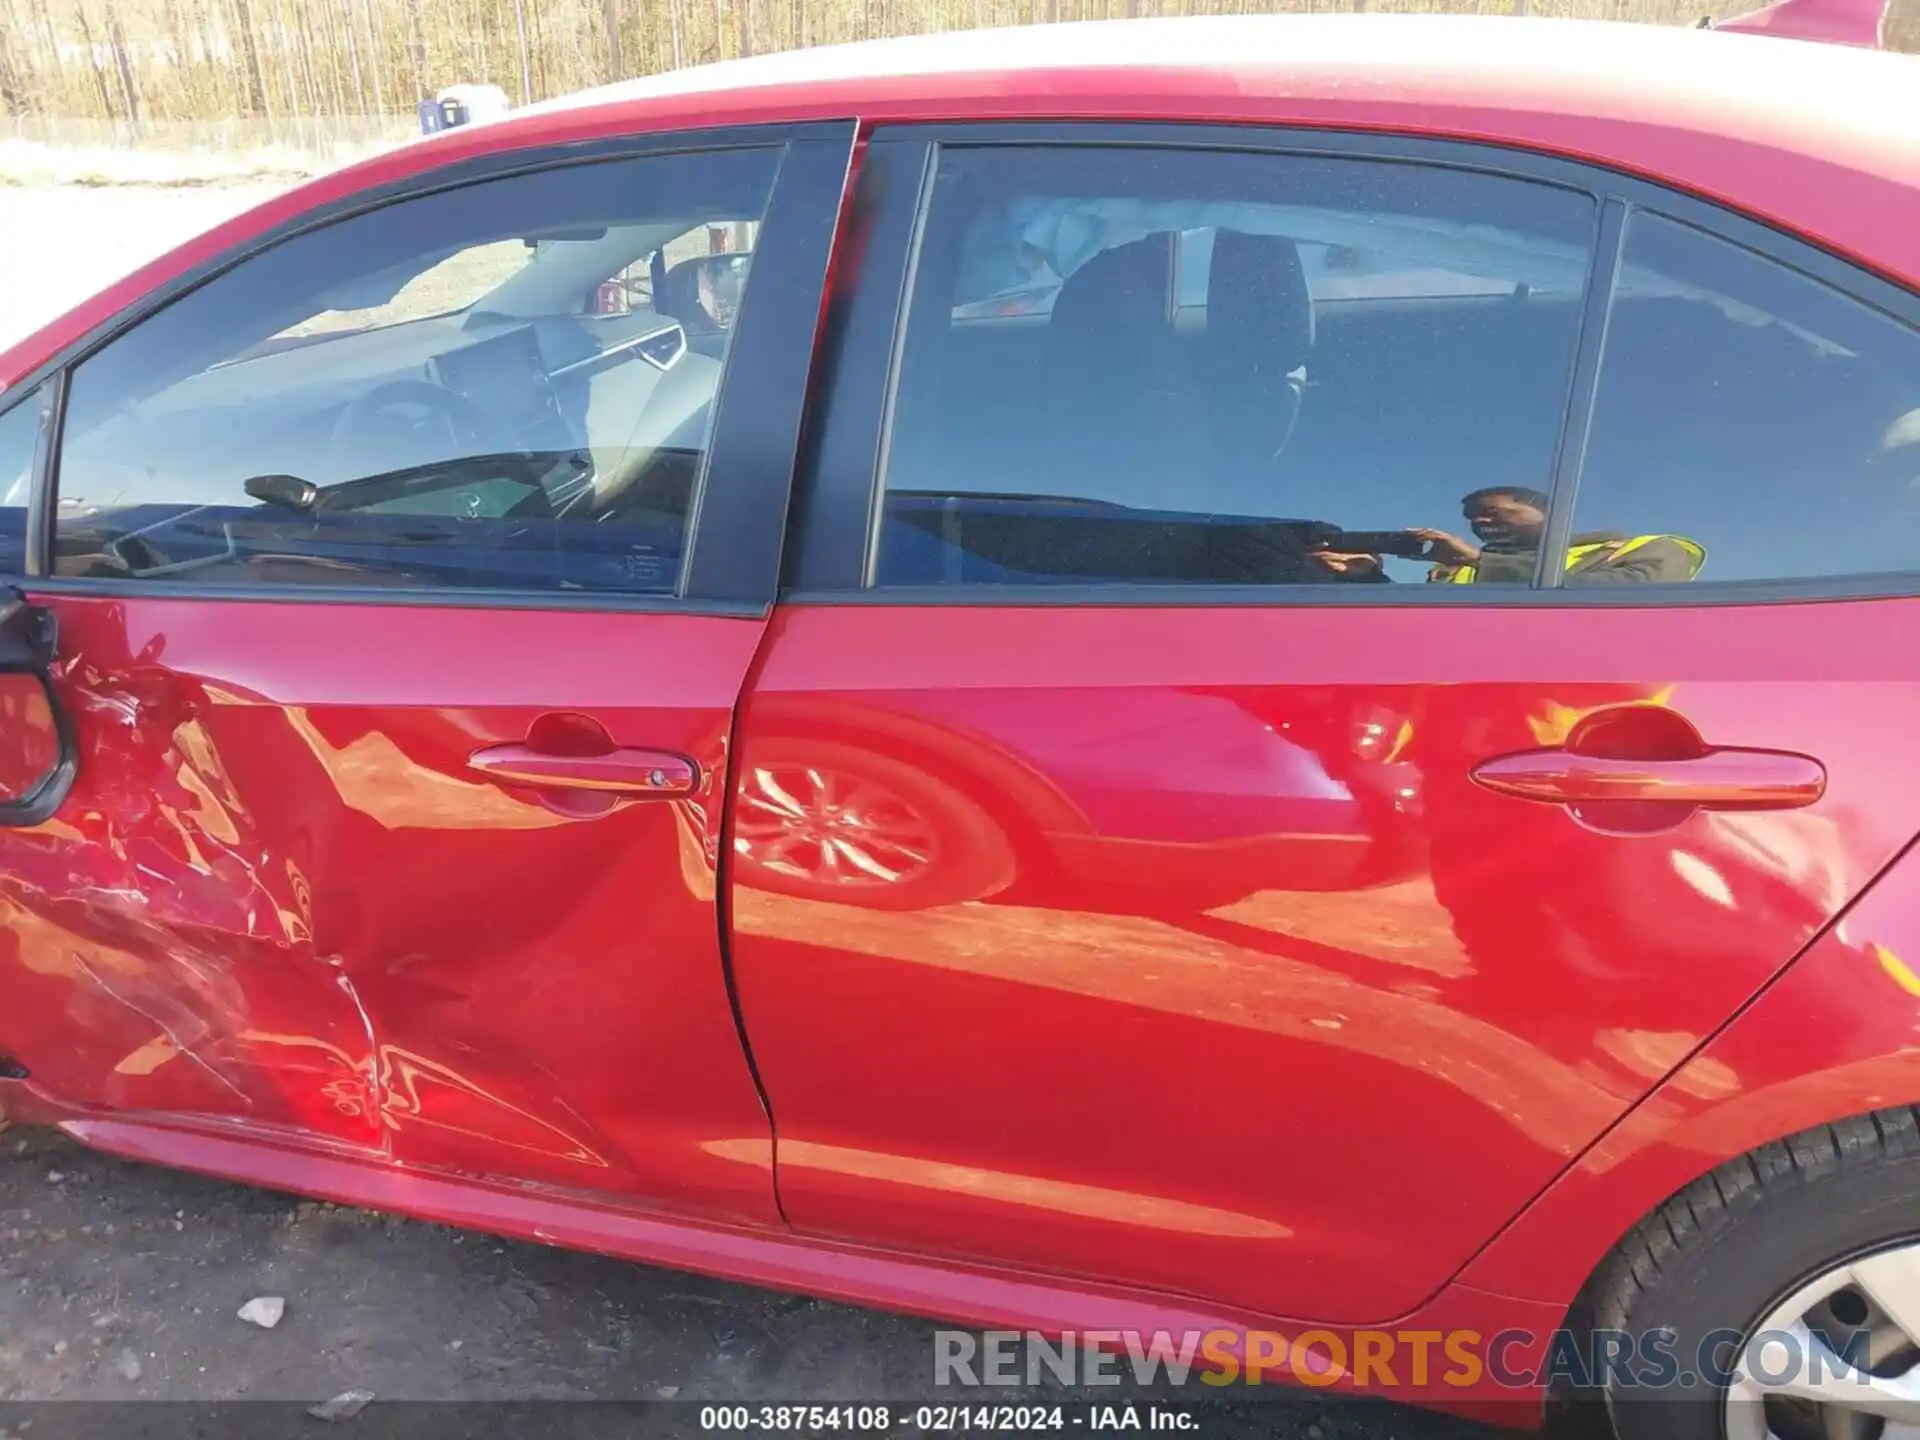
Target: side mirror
(717, 282)
(289, 492)
(37, 755)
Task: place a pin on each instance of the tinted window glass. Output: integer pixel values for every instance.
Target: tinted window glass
(1162, 366)
(1337, 272)
(442, 392)
(19, 431)
(1334, 272)
(1751, 423)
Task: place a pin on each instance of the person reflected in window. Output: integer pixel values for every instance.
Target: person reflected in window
(1510, 521)
(1352, 566)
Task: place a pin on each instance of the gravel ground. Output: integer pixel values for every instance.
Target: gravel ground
(120, 1282)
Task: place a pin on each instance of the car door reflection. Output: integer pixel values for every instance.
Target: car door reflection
(1314, 862)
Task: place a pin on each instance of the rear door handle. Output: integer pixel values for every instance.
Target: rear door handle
(620, 772)
(1716, 780)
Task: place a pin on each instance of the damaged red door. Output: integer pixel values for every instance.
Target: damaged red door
(403, 678)
(282, 898)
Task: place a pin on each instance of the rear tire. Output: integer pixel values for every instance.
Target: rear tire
(1742, 1248)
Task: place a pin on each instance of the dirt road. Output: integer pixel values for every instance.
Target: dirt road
(121, 1282)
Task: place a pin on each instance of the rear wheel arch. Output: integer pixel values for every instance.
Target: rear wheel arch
(1825, 1042)
(1728, 1189)
(1720, 1253)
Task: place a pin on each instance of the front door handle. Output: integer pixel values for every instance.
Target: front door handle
(1715, 780)
(643, 773)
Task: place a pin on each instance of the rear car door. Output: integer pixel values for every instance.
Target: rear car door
(1223, 905)
(404, 589)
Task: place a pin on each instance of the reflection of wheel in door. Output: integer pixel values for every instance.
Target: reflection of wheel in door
(828, 821)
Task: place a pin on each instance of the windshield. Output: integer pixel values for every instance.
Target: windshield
(455, 283)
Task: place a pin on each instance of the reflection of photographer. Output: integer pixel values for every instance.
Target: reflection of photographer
(1509, 522)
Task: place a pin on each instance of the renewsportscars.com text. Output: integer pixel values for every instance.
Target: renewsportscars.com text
(1387, 1360)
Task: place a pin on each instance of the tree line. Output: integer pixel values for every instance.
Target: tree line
(141, 62)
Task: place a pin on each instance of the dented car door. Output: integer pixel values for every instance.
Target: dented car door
(402, 678)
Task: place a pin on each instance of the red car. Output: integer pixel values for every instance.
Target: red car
(1251, 678)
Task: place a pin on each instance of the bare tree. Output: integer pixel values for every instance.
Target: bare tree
(286, 58)
(123, 68)
(353, 53)
(16, 61)
(610, 18)
(379, 63)
(249, 38)
(308, 63)
(417, 49)
(93, 60)
(526, 62)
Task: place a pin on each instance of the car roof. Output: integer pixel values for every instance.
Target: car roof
(1790, 130)
(1313, 55)
(1819, 140)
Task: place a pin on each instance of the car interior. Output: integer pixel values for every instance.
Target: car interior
(1089, 391)
(1150, 424)
(371, 429)
(1215, 441)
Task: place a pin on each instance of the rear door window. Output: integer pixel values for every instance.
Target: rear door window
(1751, 422)
(1131, 365)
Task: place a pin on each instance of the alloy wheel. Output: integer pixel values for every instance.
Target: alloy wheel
(1838, 1359)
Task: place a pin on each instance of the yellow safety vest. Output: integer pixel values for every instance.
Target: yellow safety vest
(1464, 574)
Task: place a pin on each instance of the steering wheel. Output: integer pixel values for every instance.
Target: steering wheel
(378, 422)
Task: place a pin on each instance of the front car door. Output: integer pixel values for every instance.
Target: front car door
(404, 593)
(1227, 898)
